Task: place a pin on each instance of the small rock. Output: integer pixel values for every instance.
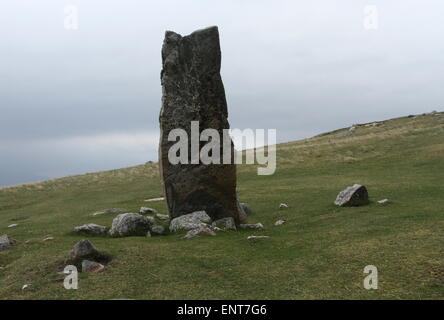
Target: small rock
(355, 195)
(5, 242)
(158, 230)
(190, 221)
(83, 250)
(279, 222)
(162, 216)
(225, 223)
(13, 225)
(91, 228)
(48, 239)
(92, 267)
(130, 224)
(146, 210)
(154, 199)
(257, 237)
(283, 206)
(383, 201)
(257, 226)
(110, 210)
(25, 286)
(202, 230)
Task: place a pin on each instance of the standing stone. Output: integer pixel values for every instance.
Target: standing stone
(193, 91)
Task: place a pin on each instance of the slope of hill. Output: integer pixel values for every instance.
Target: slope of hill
(320, 252)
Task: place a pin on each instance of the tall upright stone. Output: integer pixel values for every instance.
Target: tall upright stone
(192, 90)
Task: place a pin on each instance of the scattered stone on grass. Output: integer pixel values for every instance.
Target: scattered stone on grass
(190, 221)
(257, 237)
(13, 225)
(245, 207)
(92, 266)
(146, 210)
(130, 224)
(201, 230)
(225, 223)
(154, 199)
(356, 195)
(48, 239)
(383, 201)
(158, 230)
(257, 226)
(91, 229)
(84, 250)
(110, 210)
(5, 242)
(283, 206)
(280, 222)
(164, 217)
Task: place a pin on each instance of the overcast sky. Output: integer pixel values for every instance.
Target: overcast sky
(77, 101)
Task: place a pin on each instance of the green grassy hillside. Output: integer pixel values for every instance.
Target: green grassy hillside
(319, 253)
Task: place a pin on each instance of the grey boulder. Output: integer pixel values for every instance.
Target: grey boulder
(190, 221)
(356, 195)
(130, 224)
(83, 250)
(91, 229)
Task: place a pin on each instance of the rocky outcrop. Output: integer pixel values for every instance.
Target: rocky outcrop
(356, 195)
(193, 91)
(131, 224)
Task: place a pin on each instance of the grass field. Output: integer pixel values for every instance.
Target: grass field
(320, 253)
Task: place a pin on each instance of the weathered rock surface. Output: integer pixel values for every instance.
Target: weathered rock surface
(5, 242)
(146, 210)
(257, 226)
(356, 195)
(158, 230)
(110, 210)
(225, 223)
(130, 224)
(193, 91)
(91, 228)
(190, 221)
(92, 266)
(84, 250)
(201, 230)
